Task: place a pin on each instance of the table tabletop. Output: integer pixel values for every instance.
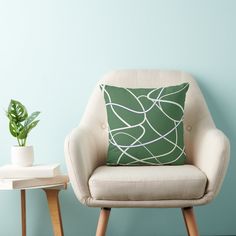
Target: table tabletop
(59, 182)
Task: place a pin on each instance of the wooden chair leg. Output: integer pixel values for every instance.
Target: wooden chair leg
(23, 212)
(102, 222)
(54, 208)
(190, 222)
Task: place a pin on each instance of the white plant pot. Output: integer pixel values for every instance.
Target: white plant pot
(22, 156)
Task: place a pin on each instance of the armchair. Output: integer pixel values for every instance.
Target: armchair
(186, 186)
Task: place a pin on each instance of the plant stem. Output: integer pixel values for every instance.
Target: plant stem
(21, 142)
(24, 142)
(18, 142)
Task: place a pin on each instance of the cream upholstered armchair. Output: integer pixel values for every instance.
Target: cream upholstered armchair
(184, 186)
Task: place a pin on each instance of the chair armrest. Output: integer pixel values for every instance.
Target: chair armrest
(211, 154)
(81, 159)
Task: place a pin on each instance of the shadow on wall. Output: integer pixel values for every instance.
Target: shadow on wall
(140, 222)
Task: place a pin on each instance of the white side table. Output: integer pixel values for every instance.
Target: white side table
(52, 191)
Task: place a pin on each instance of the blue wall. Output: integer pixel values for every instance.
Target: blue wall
(53, 52)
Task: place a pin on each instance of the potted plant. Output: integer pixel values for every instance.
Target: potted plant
(20, 124)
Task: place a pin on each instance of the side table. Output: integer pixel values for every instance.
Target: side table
(52, 192)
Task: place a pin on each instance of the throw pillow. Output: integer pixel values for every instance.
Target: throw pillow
(145, 125)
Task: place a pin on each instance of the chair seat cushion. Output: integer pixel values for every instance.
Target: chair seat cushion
(140, 183)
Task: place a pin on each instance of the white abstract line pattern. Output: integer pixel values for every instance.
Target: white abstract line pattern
(145, 125)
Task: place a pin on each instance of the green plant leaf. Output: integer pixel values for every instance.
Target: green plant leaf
(15, 128)
(20, 124)
(26, 129)
(23, 134)
(31, 118)
(32, 125)
(16, 111)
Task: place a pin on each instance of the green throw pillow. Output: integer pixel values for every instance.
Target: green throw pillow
(145, 125)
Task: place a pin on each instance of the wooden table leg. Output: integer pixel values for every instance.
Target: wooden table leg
(54, 208)
(23, 212)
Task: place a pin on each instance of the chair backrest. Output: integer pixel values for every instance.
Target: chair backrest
(196, 118)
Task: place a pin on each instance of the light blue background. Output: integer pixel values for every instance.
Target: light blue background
(53, 52)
